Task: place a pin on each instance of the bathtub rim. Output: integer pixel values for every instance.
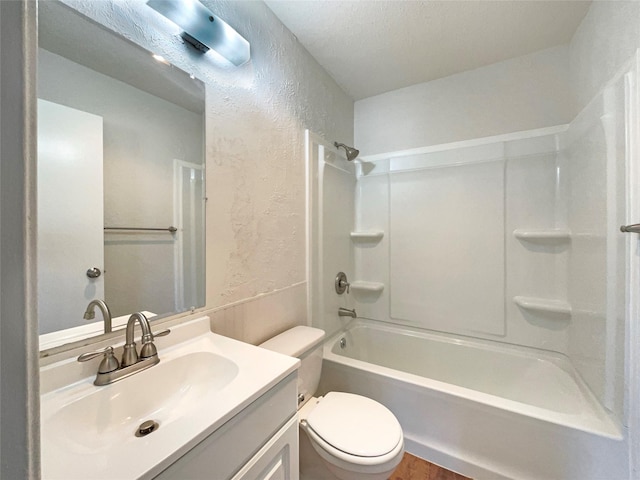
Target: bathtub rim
(600, 421)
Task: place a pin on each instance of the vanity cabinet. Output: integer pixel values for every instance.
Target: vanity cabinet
(259, 443)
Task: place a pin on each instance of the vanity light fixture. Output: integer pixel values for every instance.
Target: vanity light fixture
(203, 29)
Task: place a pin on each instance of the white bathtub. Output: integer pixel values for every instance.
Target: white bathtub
(484, 409)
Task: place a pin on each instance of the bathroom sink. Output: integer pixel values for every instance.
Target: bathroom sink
(201, 382)
(161, 394)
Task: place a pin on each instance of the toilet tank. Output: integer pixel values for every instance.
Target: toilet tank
(304, 343)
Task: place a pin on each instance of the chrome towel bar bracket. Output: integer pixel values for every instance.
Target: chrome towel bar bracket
(635, 228)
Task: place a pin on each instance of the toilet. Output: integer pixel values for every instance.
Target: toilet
(354, 436)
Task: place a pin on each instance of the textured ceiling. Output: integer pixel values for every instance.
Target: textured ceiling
(371, 47)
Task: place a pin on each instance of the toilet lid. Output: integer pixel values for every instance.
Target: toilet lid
(355, 425)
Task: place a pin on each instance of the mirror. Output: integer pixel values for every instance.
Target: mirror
(120, 179)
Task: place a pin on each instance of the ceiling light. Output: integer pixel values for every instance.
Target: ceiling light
(160, 58)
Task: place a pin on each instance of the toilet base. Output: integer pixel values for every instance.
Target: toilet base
(312, 467)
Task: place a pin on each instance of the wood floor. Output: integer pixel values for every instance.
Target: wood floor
(414, 468)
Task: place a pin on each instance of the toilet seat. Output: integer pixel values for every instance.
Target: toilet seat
(352, 430)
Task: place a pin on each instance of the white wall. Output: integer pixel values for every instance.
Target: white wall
(255, 120)
(607, 37)
(523, 93)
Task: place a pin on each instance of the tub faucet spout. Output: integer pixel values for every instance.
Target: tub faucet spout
(346, 312)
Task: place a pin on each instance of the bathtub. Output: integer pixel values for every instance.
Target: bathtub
(481, 408)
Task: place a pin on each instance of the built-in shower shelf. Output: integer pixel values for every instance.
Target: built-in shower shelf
(552, 235)
(367, 237)
(543, 305)
(367, 287)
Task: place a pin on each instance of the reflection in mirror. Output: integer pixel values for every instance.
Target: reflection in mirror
(120, 179)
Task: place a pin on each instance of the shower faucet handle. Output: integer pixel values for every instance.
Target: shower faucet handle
(342, 284)
(109, 362)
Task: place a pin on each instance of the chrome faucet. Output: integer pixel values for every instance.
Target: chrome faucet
(90, 313)
(110, 370)
(346, 312)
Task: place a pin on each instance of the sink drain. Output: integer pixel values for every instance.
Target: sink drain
(146, 428)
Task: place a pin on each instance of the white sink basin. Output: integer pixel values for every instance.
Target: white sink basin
(107, 415)
(199, 384)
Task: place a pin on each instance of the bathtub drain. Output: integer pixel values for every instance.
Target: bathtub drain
(343, 342)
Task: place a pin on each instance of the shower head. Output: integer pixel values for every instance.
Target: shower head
(351, 152)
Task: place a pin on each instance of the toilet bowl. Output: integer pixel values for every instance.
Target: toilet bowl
(355, 437)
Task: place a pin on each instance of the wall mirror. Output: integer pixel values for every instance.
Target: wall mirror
(120, 179)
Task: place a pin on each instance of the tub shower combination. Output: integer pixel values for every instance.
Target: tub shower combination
(490, 281)
(482, 408)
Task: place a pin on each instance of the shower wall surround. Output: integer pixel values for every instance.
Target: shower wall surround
(446, 255)
(512, 238)
(449, 257)
(597, 150)
(333, 181)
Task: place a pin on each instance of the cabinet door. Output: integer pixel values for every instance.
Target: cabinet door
(278, 459)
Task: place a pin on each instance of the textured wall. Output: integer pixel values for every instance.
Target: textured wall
(607, 37)
(256, 116)
(523, 93)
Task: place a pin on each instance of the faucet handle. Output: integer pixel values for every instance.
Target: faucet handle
(108, 364)
(162, 333)
(341, 283)
(85, 357)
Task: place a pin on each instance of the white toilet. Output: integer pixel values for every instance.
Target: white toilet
(354, 436)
